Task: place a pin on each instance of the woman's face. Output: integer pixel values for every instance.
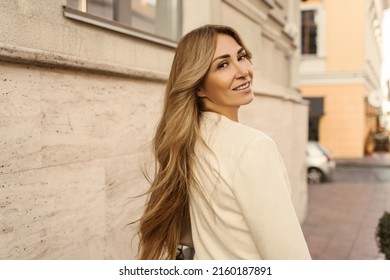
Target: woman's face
(228, 82)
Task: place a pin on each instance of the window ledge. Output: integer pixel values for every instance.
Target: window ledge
(312, 56)
(117, 27)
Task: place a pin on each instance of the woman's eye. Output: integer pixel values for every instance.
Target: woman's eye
(242, 57)
(223, 65)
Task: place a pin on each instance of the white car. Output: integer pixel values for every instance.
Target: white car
(320, 163)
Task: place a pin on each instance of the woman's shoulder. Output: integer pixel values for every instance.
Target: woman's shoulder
(233, 132)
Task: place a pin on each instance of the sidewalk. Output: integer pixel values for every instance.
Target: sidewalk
(374, 160)
(343, 214)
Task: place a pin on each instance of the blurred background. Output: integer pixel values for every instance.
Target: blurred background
(82, 85)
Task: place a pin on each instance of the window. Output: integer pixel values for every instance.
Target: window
(316, 111)
(157, 17)
(309, 32)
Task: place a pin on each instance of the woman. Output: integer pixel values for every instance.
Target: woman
(218, 183)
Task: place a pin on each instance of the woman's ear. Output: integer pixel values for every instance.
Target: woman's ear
(200, 92)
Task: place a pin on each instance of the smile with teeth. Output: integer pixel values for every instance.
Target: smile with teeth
(242, 87)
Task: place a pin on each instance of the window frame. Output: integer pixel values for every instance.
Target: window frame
(307, 24)
(321, 24)
(116, 26)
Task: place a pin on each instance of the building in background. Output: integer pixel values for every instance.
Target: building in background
(82, 83)
(386, 69)
(341, 47)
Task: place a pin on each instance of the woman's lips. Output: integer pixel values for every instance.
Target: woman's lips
(242, 87)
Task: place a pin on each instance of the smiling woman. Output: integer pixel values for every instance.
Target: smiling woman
(219, 186)
(228, 83)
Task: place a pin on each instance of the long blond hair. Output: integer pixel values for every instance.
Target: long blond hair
(166, 215)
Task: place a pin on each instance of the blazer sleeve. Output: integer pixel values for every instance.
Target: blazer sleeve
(262, 191)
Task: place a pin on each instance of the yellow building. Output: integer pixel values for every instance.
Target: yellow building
(341, 48)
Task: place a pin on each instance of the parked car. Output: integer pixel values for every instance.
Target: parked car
(320, 163)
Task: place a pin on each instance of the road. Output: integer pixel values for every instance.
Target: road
(343, 214)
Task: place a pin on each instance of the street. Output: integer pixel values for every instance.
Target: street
(343, 214)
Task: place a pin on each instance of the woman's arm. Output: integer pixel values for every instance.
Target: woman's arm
(263, 193)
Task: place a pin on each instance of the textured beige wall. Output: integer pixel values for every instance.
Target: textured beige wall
(78, 105)
(70, 145)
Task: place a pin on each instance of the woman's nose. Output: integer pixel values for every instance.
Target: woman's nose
(242, 70)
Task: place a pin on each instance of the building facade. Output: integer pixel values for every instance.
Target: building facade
(82, 83)
(340, 72)
(386, 69)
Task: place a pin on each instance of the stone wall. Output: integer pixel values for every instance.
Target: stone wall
(70, 164)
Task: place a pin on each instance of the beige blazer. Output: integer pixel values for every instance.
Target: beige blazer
(248, 213)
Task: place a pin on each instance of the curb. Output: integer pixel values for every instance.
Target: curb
(363, 163)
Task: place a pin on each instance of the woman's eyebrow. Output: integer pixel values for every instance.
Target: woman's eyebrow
(227, 55)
